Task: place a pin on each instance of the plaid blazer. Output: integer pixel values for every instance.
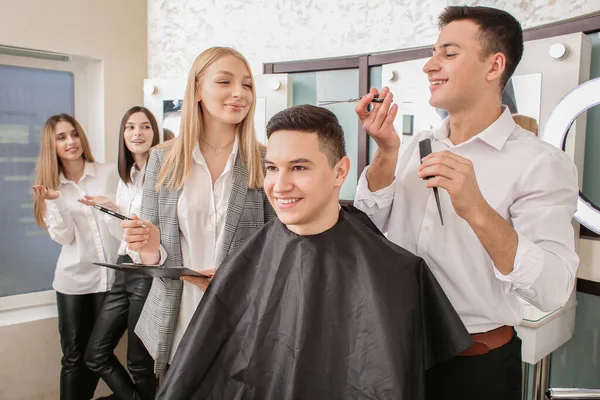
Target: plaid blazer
(247, 211)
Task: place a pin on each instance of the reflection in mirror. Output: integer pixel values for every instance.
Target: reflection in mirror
(527, 123)
(315, 87)
(524, 91)
(171, 117)
(374, 81)
(591, 169)
(343, 84)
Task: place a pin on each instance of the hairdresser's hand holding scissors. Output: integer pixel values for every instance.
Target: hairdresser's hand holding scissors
(45, 193)
(379, 124)
(143, 237)
(99, 200)
(457, 175)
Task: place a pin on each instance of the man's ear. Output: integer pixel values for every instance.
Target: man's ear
(341, 169)
(497, 66)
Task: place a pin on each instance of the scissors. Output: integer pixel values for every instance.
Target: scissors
(376, 99)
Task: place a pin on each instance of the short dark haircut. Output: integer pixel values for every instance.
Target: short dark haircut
(312, 119)
(126, 160)
(499, 32)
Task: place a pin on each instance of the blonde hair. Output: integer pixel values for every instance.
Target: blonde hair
(177, 166)
(527, 123)
(49, 165)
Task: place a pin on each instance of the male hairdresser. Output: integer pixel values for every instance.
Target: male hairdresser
(507, 201)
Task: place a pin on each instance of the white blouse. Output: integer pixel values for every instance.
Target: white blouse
(129, 201)
(201, 213)
(81, 230)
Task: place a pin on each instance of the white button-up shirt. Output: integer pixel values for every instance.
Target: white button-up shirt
(530, 183)
(129, 201)
(201, 212)
(81, 230)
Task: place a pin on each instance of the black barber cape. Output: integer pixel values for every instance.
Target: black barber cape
(344, 314)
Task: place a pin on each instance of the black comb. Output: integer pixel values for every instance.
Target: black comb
(424, 151)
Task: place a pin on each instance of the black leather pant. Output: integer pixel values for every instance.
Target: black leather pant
(121, 311)
(76, 317)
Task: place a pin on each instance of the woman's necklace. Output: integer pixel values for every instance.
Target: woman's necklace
(217, 150)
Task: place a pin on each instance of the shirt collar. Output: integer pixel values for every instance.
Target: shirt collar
(495, 135)
(134, 173)
(88, 170)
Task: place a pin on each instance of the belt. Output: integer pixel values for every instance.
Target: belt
(487, 341)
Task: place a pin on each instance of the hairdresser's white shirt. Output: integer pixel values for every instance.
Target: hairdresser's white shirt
(201, 212)
(81, 230)
(129, 201)
(530, 183)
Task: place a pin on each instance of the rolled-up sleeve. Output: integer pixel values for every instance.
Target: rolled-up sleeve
(377, 205)
(545, 263)
(114, 226)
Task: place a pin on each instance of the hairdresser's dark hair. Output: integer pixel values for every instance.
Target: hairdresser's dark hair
(499, 32)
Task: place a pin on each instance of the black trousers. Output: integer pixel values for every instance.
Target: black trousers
(121, 311)
(76, 317)
(492, 376)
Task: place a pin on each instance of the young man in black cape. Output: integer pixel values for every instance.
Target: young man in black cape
(317, 304)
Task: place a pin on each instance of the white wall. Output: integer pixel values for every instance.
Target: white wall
(285, 30)
(113, 33)
(30, 361)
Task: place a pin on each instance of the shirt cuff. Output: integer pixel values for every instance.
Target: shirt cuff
(527, 267)
(136, 258)
(372, 201)
(163, 255)
(134, 255)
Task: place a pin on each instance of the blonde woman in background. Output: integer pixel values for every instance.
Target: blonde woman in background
(66, 171)
(203, 195)
(527, 123)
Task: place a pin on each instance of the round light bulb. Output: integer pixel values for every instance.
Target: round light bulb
(558, 51)
(149, 88)
(274, 84)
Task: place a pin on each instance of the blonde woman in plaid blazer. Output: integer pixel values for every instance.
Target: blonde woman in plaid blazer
(203, 195)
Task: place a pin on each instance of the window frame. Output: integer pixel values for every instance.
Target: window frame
(89, 106)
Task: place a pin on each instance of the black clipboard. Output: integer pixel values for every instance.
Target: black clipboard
(154, 271)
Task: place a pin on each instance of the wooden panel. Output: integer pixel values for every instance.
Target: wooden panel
(589, 287)
(363, 138)
(399, 56)
(315, 65)
(587, 24)
(268, 68)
